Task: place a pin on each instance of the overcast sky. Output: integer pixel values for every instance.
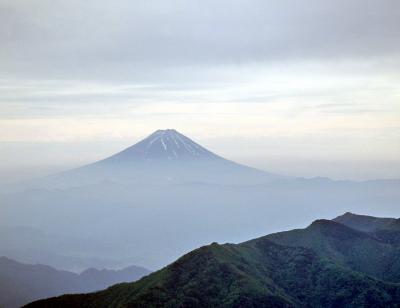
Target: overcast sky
(306, 87)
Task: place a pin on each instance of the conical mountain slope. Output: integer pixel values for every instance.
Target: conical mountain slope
(163, 145)
(166, 156)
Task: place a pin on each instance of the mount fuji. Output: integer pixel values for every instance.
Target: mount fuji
(165, 156)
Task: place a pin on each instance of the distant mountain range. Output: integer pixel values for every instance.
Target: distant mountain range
(65, 252)
(22, 283)
(345, 262)
(161, 198)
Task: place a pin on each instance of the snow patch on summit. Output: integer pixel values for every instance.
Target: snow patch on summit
(164, 144)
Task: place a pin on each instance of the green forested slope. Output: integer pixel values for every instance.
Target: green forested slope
(327, 264)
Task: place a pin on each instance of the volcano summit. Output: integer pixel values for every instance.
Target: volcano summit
(164, 145)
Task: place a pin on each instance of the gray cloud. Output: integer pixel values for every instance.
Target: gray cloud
(135, 39)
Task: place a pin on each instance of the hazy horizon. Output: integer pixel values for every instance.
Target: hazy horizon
(53, 157)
